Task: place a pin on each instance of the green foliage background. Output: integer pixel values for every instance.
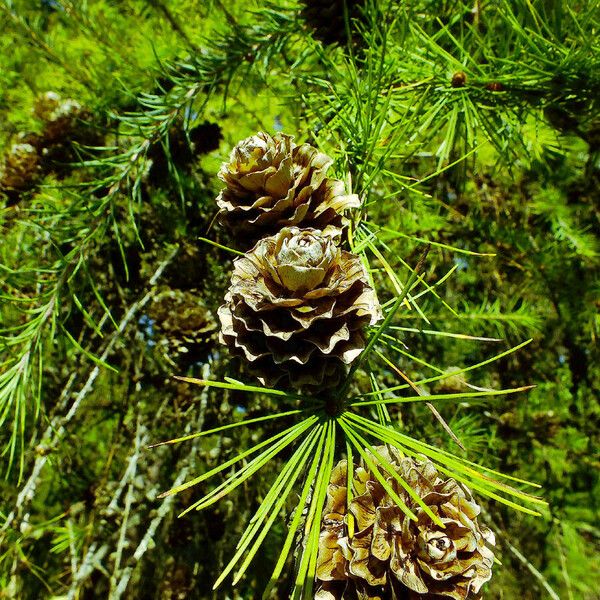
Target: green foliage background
(500, 171)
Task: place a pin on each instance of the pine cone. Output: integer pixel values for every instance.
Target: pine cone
(61, 117)
(46, 105)
(272, 183)
(20, 170)
(206, 137)
(326, 17)
(391, 556)
(296, 309)
(184, 326)
(203, 138)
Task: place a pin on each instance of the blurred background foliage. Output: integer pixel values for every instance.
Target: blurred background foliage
(471, 125)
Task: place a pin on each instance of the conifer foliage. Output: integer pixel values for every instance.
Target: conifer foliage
(311, 287)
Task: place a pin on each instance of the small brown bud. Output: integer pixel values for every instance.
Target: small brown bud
(42, 450)
(459, 79)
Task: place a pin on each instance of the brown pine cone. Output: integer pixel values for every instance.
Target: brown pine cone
(65, 126)
(326, 18)
(296, 309)
(61, 118)
(184, 326)
(391, 556)
(182, 152)
(20, 170)
(272, 183)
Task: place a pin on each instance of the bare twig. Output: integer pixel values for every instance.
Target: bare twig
(165, 508)
(141, 440)
(543, 582)
(56, 430)
(91, 561)
(520, 557)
